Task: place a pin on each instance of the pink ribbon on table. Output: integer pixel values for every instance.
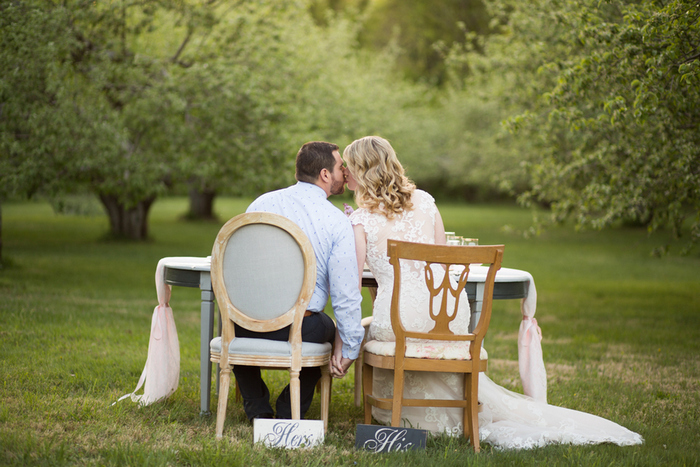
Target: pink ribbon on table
(532, 371)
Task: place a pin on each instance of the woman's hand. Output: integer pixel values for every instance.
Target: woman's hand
(339, 365)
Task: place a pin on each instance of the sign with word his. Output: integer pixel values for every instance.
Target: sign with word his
(377, 438)
(290, 434)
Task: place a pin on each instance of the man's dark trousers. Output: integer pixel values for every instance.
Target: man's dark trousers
(318, 328)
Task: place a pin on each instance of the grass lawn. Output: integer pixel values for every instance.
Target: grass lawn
(621, 340)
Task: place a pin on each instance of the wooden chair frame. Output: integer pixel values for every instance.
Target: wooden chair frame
(230, 314)
(447, 255)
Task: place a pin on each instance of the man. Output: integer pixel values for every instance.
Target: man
(319, 174)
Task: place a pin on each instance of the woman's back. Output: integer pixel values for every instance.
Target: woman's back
(416, 225)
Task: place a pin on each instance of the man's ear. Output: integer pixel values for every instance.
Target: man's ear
(324, 175)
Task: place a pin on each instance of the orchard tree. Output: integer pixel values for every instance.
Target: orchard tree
(50, 121)
(107, 97)
(80, 108)
(605, 97)
(129, 99)
(631, 106)
(242, 101)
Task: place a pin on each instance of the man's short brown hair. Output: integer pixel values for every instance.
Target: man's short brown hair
(313, 157)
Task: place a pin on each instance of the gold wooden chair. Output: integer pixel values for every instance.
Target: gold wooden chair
(263, 271)
(457, 353)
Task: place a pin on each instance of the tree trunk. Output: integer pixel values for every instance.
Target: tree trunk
(201, 204)
(129, 223)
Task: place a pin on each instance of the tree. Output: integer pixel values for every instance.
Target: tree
(632, 105)
(117, 104)
(607, 97)
(79, 109)
(131, 53)
(242, 101)
(47, 124)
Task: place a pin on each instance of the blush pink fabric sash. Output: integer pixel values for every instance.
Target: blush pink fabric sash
(161, 373)
(530, 361)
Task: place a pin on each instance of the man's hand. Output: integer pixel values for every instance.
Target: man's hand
(340, 366)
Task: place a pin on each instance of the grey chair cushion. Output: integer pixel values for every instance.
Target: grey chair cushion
(252, 346)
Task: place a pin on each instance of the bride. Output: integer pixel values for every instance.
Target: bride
(390, 206)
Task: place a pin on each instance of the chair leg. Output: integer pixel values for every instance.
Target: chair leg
(359, 363)
(471, 412)
(367, 375)
(225, 380)
(358, 379)
(295, 394)
(465, 411)
(325, 395)
(397, 397)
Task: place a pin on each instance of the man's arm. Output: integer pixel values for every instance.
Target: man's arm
(340, 365)
(346, 298)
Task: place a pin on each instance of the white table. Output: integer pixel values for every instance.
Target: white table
(194, 272)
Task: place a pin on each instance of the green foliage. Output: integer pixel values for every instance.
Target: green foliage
(49, 121)
(79, 104)
(603, 98)
(236, 100)
(420, 31)
(133, 100)
(630, 100)
(129, 100)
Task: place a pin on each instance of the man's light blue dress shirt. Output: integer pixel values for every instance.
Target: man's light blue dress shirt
(333, 240)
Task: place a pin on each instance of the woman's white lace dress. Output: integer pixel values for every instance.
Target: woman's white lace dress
(507, 420)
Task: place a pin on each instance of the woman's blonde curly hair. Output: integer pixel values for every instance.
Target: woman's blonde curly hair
(381, 183)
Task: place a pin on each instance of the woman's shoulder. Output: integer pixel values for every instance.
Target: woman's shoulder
(420, 196)
(359, 216)
(422, 193)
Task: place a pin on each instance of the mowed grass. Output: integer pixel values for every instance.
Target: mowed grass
(621, 340)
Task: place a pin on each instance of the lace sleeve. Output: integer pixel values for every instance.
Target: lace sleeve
(359, 216)
(426, 204)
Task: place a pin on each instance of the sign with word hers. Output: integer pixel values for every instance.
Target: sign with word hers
(290, 434)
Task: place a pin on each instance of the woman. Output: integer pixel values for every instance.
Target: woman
(390, 206)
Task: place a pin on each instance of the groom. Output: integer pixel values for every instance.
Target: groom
(319, 174)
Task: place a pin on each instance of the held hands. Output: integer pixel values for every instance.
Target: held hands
(339, 365)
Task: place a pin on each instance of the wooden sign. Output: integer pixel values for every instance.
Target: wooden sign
(378, 438)
(290, 434)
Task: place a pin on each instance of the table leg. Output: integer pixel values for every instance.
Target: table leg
(207, 333)
(475, 306)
